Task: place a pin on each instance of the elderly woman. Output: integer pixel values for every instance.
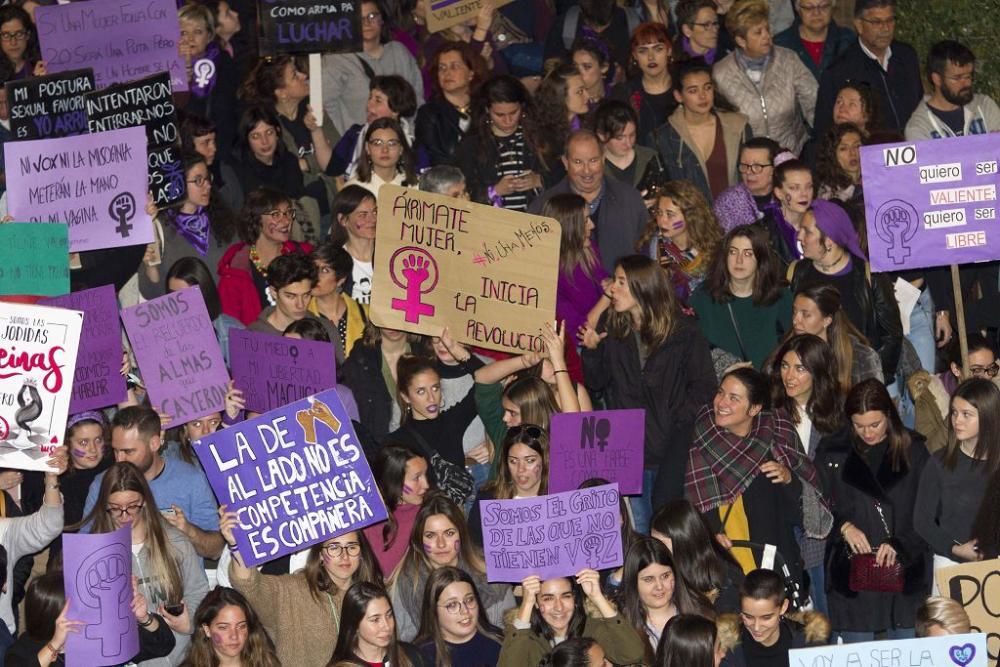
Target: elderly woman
(768, 83)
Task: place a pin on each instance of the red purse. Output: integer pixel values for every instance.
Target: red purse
(866, 575)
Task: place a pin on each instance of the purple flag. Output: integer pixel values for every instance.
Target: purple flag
(95, 183)
(97, 382)
(552, 536)
(122, 40)
(606, 443)
(97, 573)
(175, 344)
(932, 203)
(296, 476)
(273, 370)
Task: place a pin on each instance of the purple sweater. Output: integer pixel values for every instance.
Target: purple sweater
(577, 294)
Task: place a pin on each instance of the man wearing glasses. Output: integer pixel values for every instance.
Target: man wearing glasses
(814, 36)
(890, 67)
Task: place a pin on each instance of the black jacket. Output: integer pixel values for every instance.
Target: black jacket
(899, 90)
(852, 489)
(877, 300)
(362, 373)
(437, 132)
(478, 161)
(676, 381)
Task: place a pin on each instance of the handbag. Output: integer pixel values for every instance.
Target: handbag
(454, 480)
(866, 575)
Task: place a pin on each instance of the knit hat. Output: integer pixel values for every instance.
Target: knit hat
(836, 225)
(735, 206)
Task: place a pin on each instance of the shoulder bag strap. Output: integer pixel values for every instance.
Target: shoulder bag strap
(736, 328)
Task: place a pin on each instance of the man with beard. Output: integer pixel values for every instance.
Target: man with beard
(952, 110)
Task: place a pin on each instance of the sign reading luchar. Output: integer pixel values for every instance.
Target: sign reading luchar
(486, 273)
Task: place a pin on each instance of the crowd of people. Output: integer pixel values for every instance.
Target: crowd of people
(702, 160)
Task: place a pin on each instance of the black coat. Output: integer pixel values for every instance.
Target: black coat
(362, 373)
(437, 132)
(852, 489)
(478, 160)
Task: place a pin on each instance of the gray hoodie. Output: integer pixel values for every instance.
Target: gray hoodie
(22, 536)
(981, 117)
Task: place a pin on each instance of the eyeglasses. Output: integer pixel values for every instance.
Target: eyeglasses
(880, 23)
(379, 143)
(201, 180)
(754, 168)
(455, 606)
(815, 9)
(707, 25)
(16, 36)
(353, 549)
(287, 214)
(985, 371)
(121, 512)
(371, 18)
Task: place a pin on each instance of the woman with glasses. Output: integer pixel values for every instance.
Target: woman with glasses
(171, 576)
(456, 69)
(367, 634)
(702, 32)
(302, 611)
(815, 37)
(330, 300)
(649, 89)
(454, 629)
(266, 228)
(387, 158)
(229, 632)
(20, 57)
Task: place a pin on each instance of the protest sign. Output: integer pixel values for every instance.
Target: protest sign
(97, 381)
(947, 651)
(95, 183)
(146, 103)
(295, 476)
(46, 107)
(932, 203)
(34, 259)
(273, 370)
(307, 26)
(97, 574)
(605, 443)
(487, 273)
(120, 39)
(175, 344)
(552, 536)
(442, 14)
(38, 348)
(976, 587)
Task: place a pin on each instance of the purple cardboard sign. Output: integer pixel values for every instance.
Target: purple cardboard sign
(932, 203)
(122, 40)
(295, 476)
(552, 536)
(98, 381)
(97, 574)
(606, 443)
(95, 183)
(175, 344)
(273, 370)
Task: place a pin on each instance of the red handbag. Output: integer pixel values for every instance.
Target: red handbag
(866, 575)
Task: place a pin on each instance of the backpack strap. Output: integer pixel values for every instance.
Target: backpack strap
(570, 26)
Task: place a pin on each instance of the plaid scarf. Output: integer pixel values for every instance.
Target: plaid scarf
(721, 466)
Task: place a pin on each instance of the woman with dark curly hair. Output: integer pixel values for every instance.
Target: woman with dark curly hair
(838, 165)
(561, 101)
(855, 103)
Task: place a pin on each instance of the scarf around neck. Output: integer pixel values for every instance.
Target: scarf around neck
(204, 71)
(194, 227)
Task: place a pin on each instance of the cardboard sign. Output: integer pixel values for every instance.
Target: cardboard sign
(296, 476)
(308, 26)
(34, 259)
(146, 103)
(975, 586)
(932, 203)
(487, 273)
(95, 183)
(552, 536)
(120, 39)
(605, 443)
(444, 14)
(97, 574)
(38, 348)
(273, 370)
(46, 107)
(175, 344)
(97, 381)
(949, 651)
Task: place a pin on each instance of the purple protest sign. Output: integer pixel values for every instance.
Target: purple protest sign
(97, 574)
(932, 203)
(606, 443)
(122, 40)
(295, 476)
(95, 183)
(552, 536)
(273, 370)
(175, 344)
(97, 382)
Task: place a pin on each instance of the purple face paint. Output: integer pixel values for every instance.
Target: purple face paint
(407, 489)
(79, 453)
(678, 225)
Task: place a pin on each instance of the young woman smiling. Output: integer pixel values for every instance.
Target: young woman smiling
(454, 629)
(368, 631)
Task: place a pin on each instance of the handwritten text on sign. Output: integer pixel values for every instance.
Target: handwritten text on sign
(607, 444)
(45, 107)
(95, 183)
(552, 536)
(307, 26)
(976, 586)
(486, 273)
(273, 371)
(295, 476)
(442, 14)
(949, 651)
(932, 203)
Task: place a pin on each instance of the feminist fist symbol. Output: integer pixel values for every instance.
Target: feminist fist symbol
(103, 583)
(417, 268)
